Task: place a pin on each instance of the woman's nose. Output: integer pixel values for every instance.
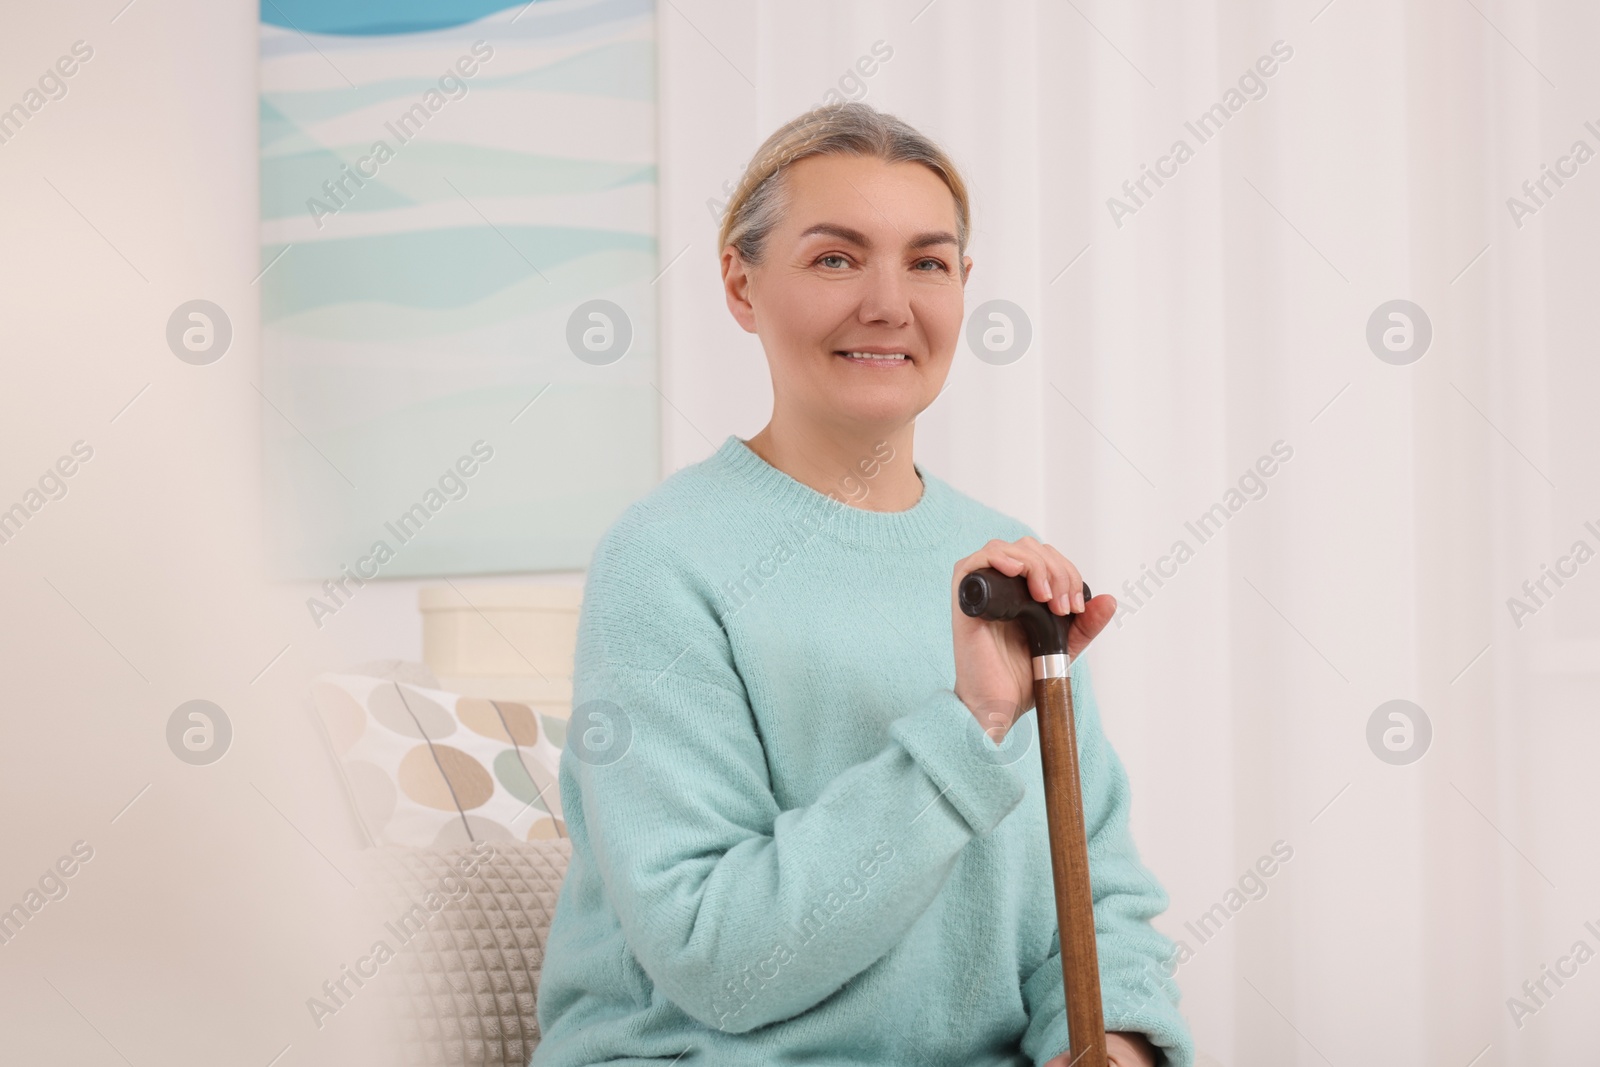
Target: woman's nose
(885, 297)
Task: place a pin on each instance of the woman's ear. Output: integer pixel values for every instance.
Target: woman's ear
(966, 270)
(736, 284)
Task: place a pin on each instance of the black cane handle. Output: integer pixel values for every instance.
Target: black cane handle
(988, 594)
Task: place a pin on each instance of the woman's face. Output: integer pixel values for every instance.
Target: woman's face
(864, 261)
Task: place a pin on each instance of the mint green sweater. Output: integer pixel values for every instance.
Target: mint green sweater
(791, 842)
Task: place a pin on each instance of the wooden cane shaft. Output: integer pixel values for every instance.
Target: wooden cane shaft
(1069, 859)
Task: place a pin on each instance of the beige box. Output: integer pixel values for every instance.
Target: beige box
(504, 642)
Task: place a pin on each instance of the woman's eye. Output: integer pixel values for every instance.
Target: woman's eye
(938, 264)
(834, 256)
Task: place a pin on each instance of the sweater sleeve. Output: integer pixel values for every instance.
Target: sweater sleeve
(740, 913)
(1136, 990)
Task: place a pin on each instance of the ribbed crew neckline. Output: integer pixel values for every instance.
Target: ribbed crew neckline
(928, 522)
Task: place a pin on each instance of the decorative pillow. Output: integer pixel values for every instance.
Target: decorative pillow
(429, 768)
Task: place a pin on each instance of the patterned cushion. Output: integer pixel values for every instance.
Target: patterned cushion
(427, 767)
(463, 986)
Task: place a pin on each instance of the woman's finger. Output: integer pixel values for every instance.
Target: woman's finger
(1042, 585)
(1001, 555)
(1059, 598)
(1071, 581)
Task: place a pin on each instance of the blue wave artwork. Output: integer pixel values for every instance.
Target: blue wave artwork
(457, 200)
(365, 18)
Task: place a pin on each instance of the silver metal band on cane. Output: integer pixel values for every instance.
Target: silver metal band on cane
(1051, 666)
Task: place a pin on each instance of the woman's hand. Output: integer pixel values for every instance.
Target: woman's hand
(1122, 1050)
(994, 667)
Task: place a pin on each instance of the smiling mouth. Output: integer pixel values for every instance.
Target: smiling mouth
(876, 359)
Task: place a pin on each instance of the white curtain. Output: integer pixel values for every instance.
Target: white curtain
(1219, 320)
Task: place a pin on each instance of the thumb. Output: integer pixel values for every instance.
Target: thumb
(1087, 624)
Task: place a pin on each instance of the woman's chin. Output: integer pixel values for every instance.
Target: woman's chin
(888, 411)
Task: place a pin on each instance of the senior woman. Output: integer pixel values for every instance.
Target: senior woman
(794, 838)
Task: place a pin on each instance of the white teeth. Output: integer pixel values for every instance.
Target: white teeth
(876, 355)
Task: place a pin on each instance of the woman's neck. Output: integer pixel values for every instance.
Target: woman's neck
(870, 470)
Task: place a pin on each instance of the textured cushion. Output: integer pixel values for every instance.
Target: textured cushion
(463, 986)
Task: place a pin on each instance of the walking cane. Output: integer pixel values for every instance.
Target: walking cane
(988, 594)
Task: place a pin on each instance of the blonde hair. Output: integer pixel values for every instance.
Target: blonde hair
(848, 128)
